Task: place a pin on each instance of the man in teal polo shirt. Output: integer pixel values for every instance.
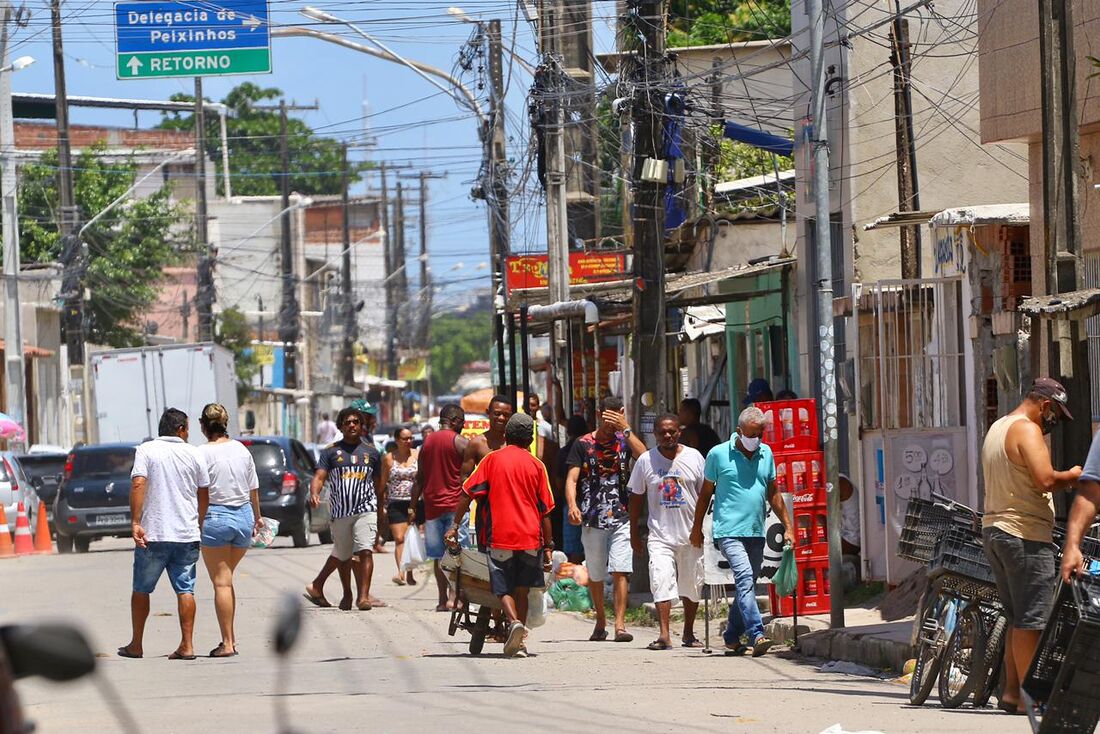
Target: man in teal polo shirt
(740, 476)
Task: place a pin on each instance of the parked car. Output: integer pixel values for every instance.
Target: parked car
(16, 488)
(93, 500)
(45, 471)
(285, 468)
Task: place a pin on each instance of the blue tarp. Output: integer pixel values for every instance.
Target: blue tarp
(759, 139)
(675, 211)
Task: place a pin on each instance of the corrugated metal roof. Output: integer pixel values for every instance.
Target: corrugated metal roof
(983, 214)
(768, 180)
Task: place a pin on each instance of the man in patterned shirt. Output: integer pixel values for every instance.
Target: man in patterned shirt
(350, 467)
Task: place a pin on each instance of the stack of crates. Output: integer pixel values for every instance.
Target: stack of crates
(791, 430)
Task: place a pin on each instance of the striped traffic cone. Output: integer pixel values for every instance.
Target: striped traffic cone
(6, 549)
(24, 545)
(43, 544)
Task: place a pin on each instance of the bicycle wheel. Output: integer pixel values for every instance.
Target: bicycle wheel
(963, 658)
(929, 645)
(994, 662)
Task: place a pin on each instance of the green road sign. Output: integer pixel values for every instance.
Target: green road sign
(160, 64)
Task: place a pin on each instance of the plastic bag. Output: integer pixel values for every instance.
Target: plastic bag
(267, 534)
(569, 596)
(414, 553)
(786, 578)
(536, 608)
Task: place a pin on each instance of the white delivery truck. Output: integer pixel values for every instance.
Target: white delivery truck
(132, 387)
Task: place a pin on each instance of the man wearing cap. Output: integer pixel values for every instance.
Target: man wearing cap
(1019, 517)
(759, 391)
(513, 524)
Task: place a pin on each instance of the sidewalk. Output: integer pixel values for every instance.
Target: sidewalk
(866, 639)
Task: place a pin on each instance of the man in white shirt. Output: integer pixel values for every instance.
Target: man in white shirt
(326, 430)
(671, 476)
(167, 476)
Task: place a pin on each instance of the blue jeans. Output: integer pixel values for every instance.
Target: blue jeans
(178, 559)
(436, 528)
(232, 526)
(745, 555)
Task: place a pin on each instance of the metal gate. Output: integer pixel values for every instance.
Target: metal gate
(911, 407)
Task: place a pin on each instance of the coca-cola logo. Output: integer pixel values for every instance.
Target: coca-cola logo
(804, 497)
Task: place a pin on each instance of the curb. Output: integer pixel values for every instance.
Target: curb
(865, 646)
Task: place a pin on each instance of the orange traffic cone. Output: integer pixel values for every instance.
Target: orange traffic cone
(23, 543)
(6, 549)
(43, 545)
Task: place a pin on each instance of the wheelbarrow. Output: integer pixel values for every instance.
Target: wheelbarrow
(468, 574)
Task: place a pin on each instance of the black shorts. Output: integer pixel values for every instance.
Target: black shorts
(398, 511)
(511, 570)
(1025, 574)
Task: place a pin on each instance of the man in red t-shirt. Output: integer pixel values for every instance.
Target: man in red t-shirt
(514, 505)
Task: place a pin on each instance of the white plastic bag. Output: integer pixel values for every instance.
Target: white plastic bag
(413, 554)
(267, 534)
(536, 608)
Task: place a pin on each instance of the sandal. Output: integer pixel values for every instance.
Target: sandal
(598, 636)
(658, 645)
(176, 656)
(691, 642)
(219, 652)
(623, 636)
(398, 581)
(318, 601)
(124, 652)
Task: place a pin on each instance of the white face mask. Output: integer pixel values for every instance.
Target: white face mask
(750, 444)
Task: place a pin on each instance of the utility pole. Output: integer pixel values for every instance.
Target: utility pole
(15, 382)
(495, 189)
(425, 331)
(347, 351)
(648, 72)
(908, 190)
(289, 311)
(1064, 267)
(388, 254)
(401, 272)
(72, 249)
(204, 301)
(185, 314)
(824, 330)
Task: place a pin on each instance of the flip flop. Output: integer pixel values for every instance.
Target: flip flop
(1010, 708)
(124, 652)
(219, 652)
(317, 601)
(598, 636)
(693, 642)
(398, 581)
(364, 607)
(623, 636)
(443, 608)
(658, 645)
(378, 603)
(177, 656)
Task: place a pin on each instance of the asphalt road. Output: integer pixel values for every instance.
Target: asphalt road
(396, 670)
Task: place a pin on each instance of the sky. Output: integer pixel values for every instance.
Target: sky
(414, 123)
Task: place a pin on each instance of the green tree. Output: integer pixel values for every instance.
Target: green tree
(457, 340)
(254, 160)
(708, 22)
(234, 334)
(128, 247)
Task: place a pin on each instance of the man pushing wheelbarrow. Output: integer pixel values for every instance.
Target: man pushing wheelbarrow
(513, 525)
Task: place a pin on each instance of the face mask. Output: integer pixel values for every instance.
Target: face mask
(1049, 422)
(750, 444)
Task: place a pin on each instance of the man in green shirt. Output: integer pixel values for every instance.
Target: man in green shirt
(740, 476)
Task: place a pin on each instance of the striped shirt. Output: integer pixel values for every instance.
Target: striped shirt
(351, 474)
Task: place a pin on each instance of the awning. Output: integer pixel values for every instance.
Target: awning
(983, 214)
(902, 219)
(758, 138)
(768, 181)
(30, 350)
(1072, 306)
(701, 321)
(376, 381)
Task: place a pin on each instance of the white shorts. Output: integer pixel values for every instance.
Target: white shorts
(350, 535)
(674, 571)
(607, 551)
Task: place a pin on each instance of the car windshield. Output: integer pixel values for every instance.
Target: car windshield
(44, 467)
(112, 463)
(267, 456)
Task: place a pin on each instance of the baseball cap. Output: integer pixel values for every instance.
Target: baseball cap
(364, 407)
(757, 389)
(1052, 390)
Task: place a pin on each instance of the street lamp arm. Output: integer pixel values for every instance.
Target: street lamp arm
(468, 99)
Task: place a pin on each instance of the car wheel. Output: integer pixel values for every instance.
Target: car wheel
(325, 536)
(300, 533)
(64, 543)
(81, 545)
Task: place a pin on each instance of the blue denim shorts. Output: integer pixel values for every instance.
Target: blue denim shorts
(435, 529)
(224, 525)
(178, 559)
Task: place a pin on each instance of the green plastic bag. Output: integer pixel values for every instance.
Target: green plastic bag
(569, 596)
(786, 578)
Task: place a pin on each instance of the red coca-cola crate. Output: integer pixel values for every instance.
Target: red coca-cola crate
(791, 425)
(811, 531)
(802, 474)
(813, 590)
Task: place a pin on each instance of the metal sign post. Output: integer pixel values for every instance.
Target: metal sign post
(154, 40)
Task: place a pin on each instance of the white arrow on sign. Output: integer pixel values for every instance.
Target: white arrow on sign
(134, 64)
(251, 22)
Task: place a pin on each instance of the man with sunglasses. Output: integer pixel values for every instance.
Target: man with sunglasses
(1018, 520)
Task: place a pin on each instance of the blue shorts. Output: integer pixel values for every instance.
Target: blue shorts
(434, 530)
(226, 525)
(178, 559)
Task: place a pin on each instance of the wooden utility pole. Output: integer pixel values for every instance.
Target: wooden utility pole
(390, 265)
(290, 309)
(400, 269)
(351, 331)
(204, 295)
(908, 190)
(648, 72)
(495, 189)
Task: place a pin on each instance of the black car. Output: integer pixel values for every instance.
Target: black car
(93, 500)
(285, 468)
(45, 472)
